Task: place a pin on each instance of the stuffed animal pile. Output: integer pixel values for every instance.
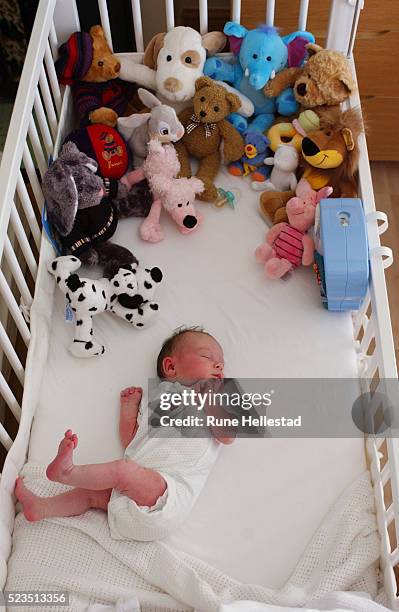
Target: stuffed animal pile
(271, 113)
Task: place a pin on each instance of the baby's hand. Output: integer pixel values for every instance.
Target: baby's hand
(224, 434)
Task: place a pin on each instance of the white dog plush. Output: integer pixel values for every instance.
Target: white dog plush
(128, 294)
(173, 62)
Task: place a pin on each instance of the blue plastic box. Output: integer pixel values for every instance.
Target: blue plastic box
(342, 253)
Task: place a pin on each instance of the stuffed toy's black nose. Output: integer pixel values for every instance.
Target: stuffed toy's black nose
(202, 114)
(309, 148)
(189, 221)
(130, 301)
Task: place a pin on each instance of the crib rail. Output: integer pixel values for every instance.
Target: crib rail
(30, 142)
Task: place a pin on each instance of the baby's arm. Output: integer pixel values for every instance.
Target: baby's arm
(223, 434)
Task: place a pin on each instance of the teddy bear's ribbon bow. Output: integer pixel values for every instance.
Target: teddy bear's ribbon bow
(195, 122)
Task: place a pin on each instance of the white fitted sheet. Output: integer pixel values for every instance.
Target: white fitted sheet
(265, 498)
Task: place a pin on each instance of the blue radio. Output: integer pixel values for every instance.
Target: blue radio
(341, 253)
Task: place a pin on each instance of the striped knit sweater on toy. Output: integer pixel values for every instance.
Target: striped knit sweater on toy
(288, 245)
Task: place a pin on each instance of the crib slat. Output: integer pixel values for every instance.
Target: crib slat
(203, 15)
(53, 41)
(303, 14)
(52, 76)
(361, 318)
(270, 12)
(236, 11)
(102, 5)
(13, 308)
(372, 366)
(34, 181)
(48, 102)
(37, 147)
(18, 228)
(170, 14)
(11, 355)
(369, 334)
(5, 439)
(28, 209)
(42, 121)
(17, 272)
(9, 398)
(390, 514)
(138, 26)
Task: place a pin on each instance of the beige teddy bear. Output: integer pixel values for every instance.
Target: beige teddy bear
(205, 127)
(325, 80)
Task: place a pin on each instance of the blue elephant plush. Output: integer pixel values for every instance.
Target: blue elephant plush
(252, 162)
(261, 53)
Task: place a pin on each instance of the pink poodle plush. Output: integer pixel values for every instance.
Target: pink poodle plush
(288, 245)
(175, 195)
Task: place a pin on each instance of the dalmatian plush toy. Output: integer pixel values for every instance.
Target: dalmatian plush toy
(128, 294)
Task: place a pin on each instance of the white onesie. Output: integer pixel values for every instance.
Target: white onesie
(184, 463)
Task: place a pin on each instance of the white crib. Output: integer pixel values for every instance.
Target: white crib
(40, 114)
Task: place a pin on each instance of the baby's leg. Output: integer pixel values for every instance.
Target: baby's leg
(130, 405)
(142, 485)
(71, 503)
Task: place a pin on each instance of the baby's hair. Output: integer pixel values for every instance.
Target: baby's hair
(171, 343)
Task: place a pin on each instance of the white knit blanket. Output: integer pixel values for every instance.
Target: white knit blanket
(78, 555)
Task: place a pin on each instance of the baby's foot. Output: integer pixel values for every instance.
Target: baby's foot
(130, 406)
(32, 505)
(61, 466)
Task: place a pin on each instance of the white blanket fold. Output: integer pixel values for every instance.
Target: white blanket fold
(78, 555)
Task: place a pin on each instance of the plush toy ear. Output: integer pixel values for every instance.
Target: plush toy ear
(147, 98)
(197, 185)
(203, 82)
(324, 193)
(234, 101)
(236, 34)
(97, 31)
(303, 189)
(213, 42)
(348, 83)
(152, 49)
(348, 138)
(312, 49)
(61, 195)
(297, 43)
(126, 125)
(235, 29)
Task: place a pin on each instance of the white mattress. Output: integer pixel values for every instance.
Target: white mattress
(265, 498)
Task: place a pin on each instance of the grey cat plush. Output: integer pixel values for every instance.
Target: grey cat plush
(161, 123)
(84, 208)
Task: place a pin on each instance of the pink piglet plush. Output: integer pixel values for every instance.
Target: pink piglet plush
(288, 245)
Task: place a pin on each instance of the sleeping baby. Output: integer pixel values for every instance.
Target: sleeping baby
(151, 491)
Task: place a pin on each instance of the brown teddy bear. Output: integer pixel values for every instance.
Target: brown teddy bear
(330, 156)
(325, 80)
(205, 127)
(87, 64)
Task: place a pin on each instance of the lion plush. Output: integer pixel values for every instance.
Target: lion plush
(205, 127)
(324, 81)
(329, 157)
(87, 64)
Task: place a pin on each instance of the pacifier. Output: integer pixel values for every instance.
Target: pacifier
(225, 197)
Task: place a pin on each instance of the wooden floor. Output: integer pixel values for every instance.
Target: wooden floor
(386, 190)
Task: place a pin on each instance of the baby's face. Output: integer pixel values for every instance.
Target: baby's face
(196, 357)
